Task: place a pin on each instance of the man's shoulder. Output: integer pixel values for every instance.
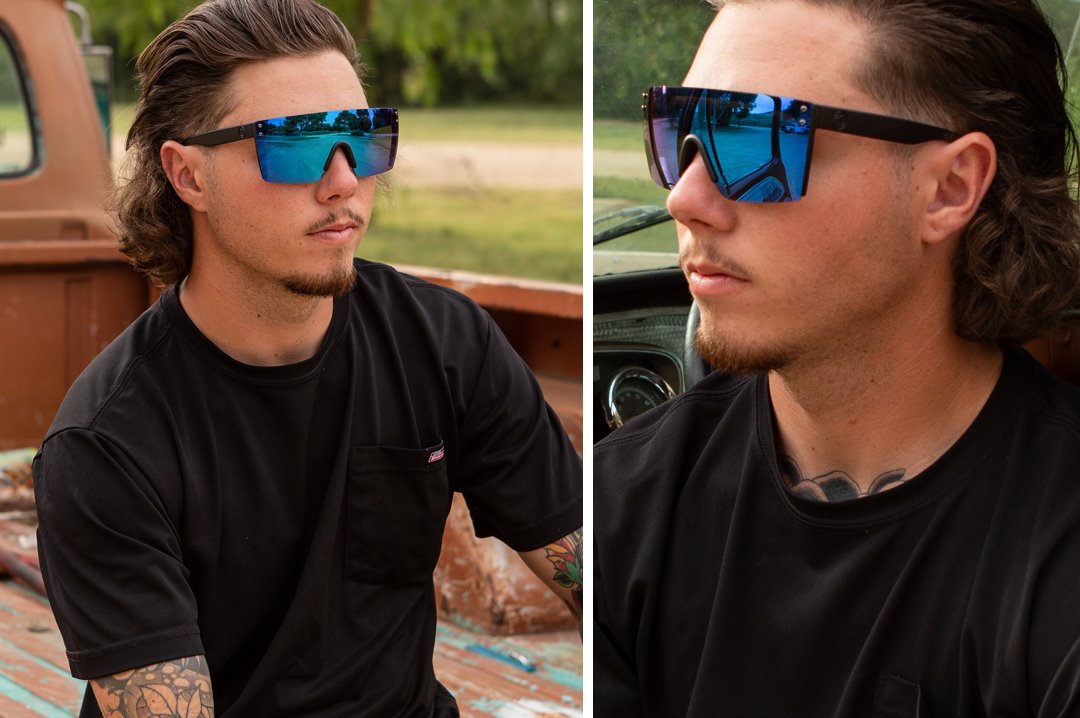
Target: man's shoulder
(712, 398)
(673, 434)
(406, 305)
(387, 282)
(111, 371)
(1022, 453)
(1050, 404)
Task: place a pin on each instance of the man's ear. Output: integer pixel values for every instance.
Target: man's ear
(960, 175)
(185, 167)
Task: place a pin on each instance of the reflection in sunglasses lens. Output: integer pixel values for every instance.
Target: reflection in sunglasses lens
(299, 148)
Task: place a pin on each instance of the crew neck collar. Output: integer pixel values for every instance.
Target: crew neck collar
(281, 374)
(964, 458)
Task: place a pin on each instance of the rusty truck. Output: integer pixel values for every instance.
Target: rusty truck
(66, 292)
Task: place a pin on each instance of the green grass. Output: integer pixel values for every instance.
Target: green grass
(613, 179)
(617, 135)
(13, 116)
(634, 191)
(530, 233)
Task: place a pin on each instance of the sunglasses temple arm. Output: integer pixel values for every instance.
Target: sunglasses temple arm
(221, 137)
(878, 127)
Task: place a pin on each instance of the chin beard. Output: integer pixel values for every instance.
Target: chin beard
(336, 283)
(729, 357)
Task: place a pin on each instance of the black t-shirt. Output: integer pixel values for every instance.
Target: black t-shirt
(718, 593)
(285, 521)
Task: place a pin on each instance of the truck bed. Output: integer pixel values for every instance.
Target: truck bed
(34, 679)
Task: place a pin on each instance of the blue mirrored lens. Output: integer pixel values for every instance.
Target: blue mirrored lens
(298, 148)
(755, 146)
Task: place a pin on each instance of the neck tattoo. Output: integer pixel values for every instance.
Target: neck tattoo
(834, 485)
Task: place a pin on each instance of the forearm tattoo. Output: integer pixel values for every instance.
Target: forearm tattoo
(176, 689)
(835, 485)
(565, 557)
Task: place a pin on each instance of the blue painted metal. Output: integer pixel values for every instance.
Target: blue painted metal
(40, 706)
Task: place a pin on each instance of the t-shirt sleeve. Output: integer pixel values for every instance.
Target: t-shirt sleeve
(519, 472)
(110, 555)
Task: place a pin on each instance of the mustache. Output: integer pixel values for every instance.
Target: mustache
(337, 217)
(706, 254)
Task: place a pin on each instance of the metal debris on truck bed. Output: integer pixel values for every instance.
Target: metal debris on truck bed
(16, 484)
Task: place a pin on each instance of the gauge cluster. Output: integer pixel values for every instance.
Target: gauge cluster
(637, 364)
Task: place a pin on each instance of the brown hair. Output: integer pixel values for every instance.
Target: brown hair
(183, 78)
(992, 66)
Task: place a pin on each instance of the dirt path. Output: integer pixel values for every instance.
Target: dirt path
(477, 164)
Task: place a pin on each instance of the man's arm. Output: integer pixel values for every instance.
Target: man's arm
(174, 689)
(559, 566)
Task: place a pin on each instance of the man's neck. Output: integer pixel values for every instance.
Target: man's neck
(867, 424)
(257, 326)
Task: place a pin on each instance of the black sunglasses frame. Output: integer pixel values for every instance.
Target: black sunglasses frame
(224, 136)
(821, 117)
(254, 130)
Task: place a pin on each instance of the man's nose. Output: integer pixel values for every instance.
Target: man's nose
(696, 198)
(338, 180)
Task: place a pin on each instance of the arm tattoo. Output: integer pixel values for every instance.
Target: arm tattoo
(565, 557)
(834, 485)
(176, 689)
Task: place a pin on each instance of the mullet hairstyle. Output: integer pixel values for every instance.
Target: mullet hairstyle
(183, 78)
(991, 66)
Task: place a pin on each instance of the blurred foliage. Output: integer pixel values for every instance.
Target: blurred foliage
(1064, 16)
(418, 52)
(456, 50)
(638, 43)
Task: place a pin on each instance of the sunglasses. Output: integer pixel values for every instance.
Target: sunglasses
(756, 147)
(299, 148)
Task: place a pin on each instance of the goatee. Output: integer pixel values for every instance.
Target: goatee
(730, 357)
(336, 283)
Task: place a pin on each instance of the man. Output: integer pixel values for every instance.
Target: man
(873, 508)
(242, 499)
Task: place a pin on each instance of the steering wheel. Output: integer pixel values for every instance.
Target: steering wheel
(695, 367)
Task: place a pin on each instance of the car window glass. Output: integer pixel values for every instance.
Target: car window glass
(636, 44)
(16, 143)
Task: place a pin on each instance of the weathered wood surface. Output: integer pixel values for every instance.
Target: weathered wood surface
(34, 678)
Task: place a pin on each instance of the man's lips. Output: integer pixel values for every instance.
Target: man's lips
(706, 278)
(340, 232)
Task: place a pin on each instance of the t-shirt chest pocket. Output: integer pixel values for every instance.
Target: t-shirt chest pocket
(898, 698)
(396, 504)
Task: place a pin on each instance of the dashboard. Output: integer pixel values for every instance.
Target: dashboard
(639, 330)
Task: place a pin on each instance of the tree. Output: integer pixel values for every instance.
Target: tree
(639, 43)
(350, 122)
(417, 51)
